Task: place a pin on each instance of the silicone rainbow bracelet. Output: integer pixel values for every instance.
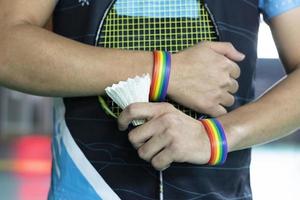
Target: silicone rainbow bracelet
(218, 142)
(161, 75)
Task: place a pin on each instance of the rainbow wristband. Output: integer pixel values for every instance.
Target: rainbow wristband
(218, 142)
(161, 75)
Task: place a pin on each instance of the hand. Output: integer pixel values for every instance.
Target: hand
(168, 135)
(203, 77)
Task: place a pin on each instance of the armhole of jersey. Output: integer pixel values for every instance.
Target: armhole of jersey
(272, 9)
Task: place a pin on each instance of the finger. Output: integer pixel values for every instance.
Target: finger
(139, 111)
(163, 159)
(218, 111)
(226, 49)
(234, 86)
(141, 134)
(227, 100)
(235, 70)
(153, 146)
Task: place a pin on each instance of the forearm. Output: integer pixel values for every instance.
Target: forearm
(275, 115)
(36, 61)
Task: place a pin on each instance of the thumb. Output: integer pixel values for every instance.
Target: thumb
(137, 111)
(226, 49)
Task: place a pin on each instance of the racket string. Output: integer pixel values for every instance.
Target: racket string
(131, 25)
(137, 25)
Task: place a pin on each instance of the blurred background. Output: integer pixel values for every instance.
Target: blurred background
(26, 127)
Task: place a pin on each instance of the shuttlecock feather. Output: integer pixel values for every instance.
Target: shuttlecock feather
(133, 90)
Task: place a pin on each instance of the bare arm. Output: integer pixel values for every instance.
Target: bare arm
(277, 113)
(37, 61)
(171, 136)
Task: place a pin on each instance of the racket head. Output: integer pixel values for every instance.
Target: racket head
(148, 25)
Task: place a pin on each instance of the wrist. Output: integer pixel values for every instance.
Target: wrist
(160, 75)
(232, 133)
(218, 141)
(173, 78)
(206, 155)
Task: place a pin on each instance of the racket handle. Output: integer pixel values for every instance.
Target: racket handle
(161, 186)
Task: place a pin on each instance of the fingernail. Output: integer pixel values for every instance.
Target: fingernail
(242, 55)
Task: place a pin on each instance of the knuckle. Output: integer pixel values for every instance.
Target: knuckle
(120, 119)
(221, 111)
(131, 137)
(229, 45)
(205, 43)
(231, 66)
(168, 135)
(167, 106)
(142, 153)
(231, 100)
(156, 162)
(174, 147)
(215, 114)
(227, 81)
(164, 136)
(169, 118)
(238, 71)
(217, 96)
(235, 86)
(228, 63)
(225, 64)
(159, 163)
(130, 109)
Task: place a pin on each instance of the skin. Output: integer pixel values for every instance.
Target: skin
(170, 136)
(37, 61)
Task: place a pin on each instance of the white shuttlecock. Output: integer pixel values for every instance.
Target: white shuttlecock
(133, 90)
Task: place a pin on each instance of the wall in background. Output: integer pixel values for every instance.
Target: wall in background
(24, 114)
